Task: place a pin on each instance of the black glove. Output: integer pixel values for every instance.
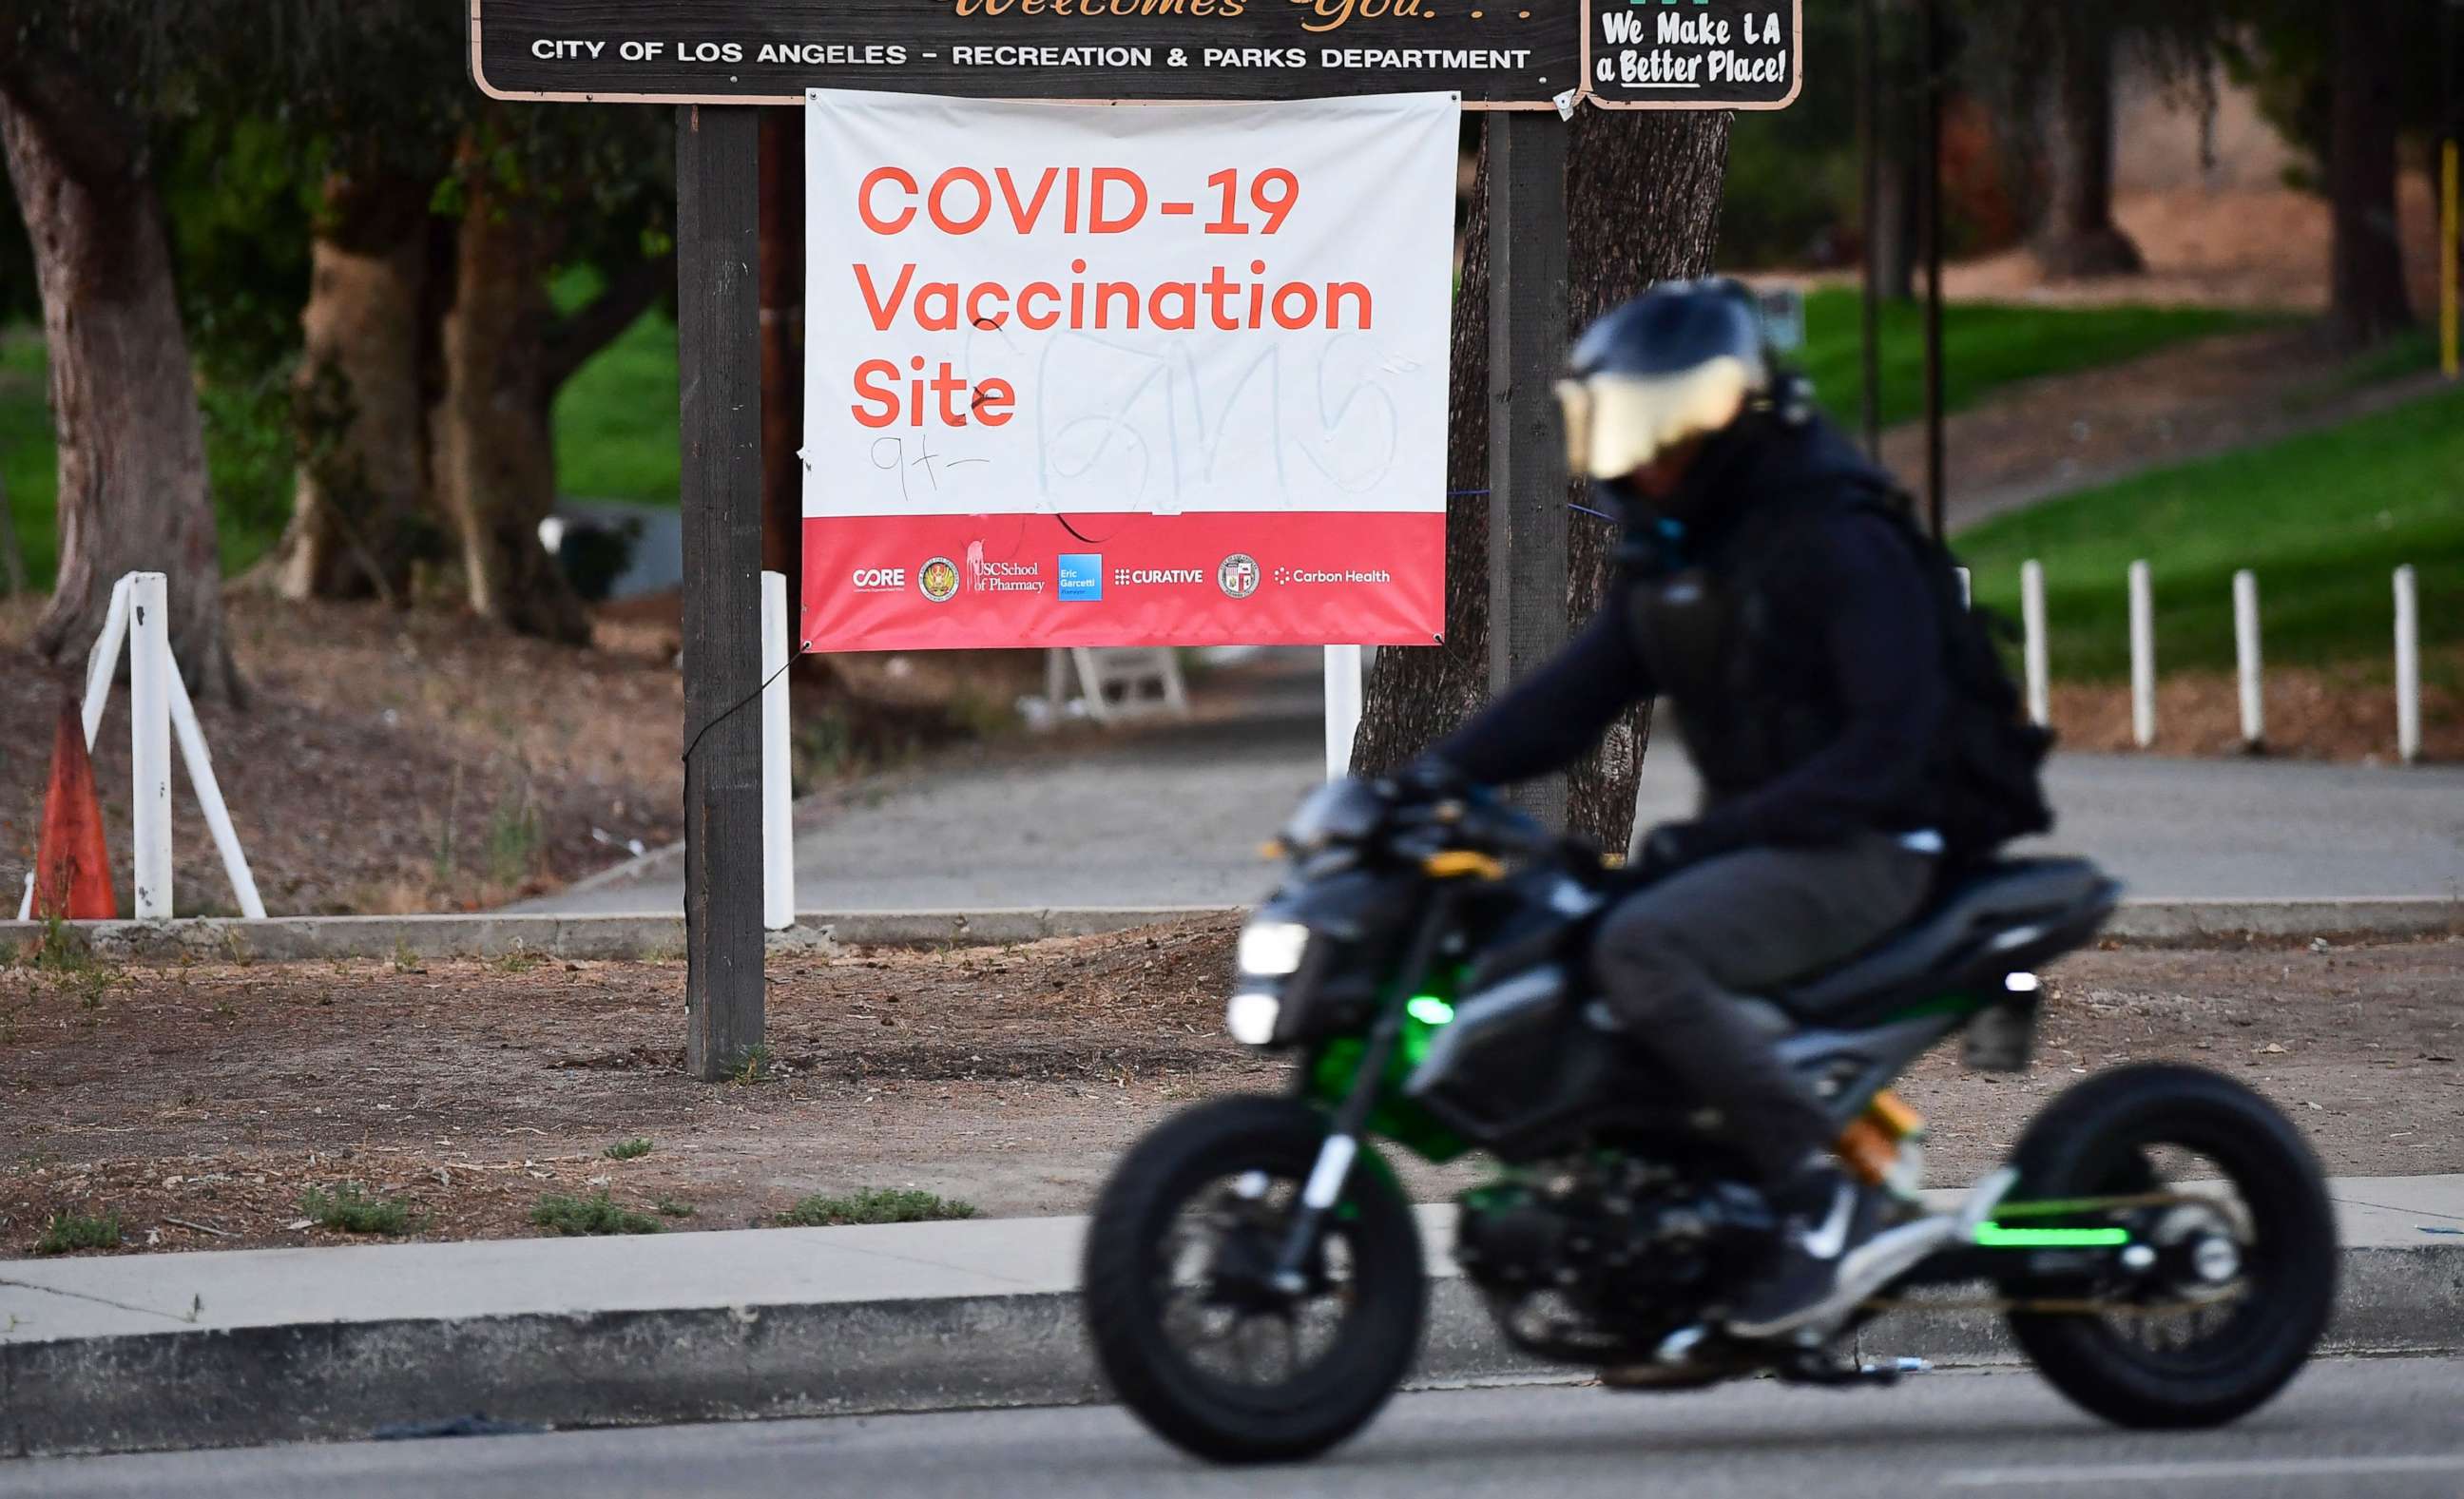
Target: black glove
(1670, 847)
(1430, 779)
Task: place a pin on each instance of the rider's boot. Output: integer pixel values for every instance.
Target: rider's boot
(1826, 1259)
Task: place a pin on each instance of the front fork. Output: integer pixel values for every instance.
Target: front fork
(1341, 1149)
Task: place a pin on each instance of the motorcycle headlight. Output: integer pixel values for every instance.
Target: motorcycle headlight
(1272, 949)
(1251, 1018)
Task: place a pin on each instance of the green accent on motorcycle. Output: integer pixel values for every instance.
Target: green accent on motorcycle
(1395, 1117)
(1946, 1005)
(1994, 1236)
(1429, 1010)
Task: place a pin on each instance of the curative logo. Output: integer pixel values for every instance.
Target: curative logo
(939, 579)
(1081, 577)
(1128, 577)
(1238, 576)
(880, 580)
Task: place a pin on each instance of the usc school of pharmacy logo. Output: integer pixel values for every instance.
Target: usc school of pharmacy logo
(1238, 577)
(938, 579)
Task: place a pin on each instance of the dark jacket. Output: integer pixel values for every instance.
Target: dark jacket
(1792, 633)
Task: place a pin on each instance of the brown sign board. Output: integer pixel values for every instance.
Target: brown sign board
(1497, 54)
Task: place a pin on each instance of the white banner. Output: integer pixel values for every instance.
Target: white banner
(1018, 308)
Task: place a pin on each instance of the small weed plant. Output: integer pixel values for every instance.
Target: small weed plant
(349, 1209)
(633, 1149)
(874, 1205)
(579, 1216)
(69, 1232)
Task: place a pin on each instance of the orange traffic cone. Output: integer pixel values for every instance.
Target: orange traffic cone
(71, 864)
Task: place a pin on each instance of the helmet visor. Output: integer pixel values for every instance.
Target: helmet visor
(1616, 424)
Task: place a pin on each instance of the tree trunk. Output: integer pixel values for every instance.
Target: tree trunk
(1643, 198)
(133, 491)
(1897, 189)
(494, 448)
(2369, 299)
(2079, 238)
(13, 553)
(359, 414)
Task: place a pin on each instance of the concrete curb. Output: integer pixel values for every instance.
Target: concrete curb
(330, 1381)
(612, 937)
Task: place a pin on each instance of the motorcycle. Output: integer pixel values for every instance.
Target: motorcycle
(2159, 1241)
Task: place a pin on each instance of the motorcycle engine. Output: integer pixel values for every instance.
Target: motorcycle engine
(1614, 1248)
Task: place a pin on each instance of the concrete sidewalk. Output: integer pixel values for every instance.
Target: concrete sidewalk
(145, 1352)
(1175, 817)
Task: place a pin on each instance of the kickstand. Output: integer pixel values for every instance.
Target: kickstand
(1837, 1373)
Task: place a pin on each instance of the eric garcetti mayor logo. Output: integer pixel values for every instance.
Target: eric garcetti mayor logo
(1081, 577)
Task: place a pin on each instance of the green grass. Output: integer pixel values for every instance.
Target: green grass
(348, 1209)
(578, 1217)
(69, 1232)
(874, 1205)
(633, 1149)
(1985, 345)
(2324, 520)
(616, 419)
(25, 451)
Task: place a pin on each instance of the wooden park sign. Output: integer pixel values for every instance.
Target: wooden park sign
(712, 58)
(1500, 54)
(1497, 54)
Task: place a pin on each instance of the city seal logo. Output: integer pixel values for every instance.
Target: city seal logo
(939, 580)
(1238, 577)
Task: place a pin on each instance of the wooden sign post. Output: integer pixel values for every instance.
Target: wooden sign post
(715, 60)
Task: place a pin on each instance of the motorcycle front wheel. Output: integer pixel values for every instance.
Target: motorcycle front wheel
(1186, 1324)
(2245, 1253)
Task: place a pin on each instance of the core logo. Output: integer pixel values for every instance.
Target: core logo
(880, 580)
(939, 579)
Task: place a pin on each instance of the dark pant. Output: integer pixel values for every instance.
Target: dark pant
(1674, 956)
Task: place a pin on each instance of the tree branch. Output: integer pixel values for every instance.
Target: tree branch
(588, 329)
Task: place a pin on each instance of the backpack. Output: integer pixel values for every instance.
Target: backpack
(1989, 759)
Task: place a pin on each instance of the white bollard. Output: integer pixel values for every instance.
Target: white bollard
(150, 715)
(2253, 716)
(2143, 657)
(2407, 665)
(777, 801)
(1342, 708)
(2032, 623)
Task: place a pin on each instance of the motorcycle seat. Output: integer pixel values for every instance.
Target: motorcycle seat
(2005, 915)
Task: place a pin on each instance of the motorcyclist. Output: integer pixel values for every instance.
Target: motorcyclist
(1764, 596)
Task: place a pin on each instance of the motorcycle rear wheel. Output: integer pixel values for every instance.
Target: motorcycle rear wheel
(2099, 1137)
(1238, 1164)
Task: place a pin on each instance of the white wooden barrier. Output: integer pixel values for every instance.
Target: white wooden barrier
(2032, 625)
(1343, 704)
(2407, 665)
(2245, 658)
(2143, 657)
(158, 707)
(778, 801)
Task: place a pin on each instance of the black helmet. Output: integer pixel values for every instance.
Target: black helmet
(1683, 360)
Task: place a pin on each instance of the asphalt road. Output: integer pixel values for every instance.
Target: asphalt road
(1175, 816)
(2383, 1427)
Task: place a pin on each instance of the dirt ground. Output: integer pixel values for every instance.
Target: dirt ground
(419, 760)
(2345, 714)
(198, 1103)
